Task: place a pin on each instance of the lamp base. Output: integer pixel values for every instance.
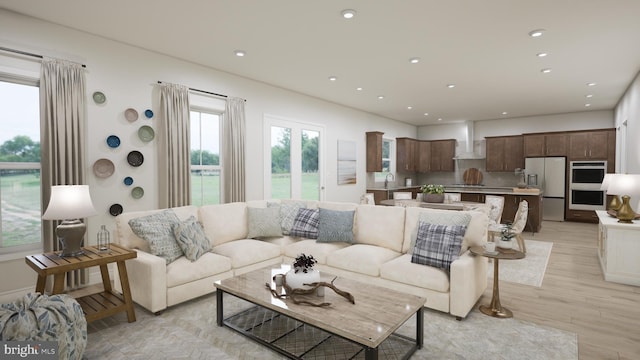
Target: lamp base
(626, 213)
(71, 234)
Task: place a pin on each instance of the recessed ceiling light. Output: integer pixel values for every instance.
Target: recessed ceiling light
(426, 114)
(587, 105)
(591, 84)
(359, 89)
(332, 78)
(451, 86)
(380, 97)
(536, 33)
(439, 119)
(348, 13)
(240, 53)
(545, 71)
(504, 113)
(409, 107)
(542, 54)
(588, 96)
(414, 60)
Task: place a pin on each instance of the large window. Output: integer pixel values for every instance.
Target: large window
(386, 160)
(20, 209)
(205, 157)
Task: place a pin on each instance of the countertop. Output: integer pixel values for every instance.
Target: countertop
(468, 189)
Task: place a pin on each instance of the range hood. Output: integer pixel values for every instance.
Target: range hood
(468, 153)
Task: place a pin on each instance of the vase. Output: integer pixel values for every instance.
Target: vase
(296, 279)
(433, 198)
(504, 244)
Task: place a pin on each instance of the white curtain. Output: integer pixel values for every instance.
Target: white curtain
(62, 139)
(233, 151)
(174, 147)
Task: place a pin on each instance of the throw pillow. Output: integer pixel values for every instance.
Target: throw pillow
(264, 222)
(288, 212)
(306, 224)
(438, 245)
(191, 238)
(439, 218)
(335, 226)
(157, 229)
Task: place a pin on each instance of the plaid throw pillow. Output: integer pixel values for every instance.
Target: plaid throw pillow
(438, 245)
(306, 224)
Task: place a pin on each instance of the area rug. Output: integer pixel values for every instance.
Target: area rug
(527, 271)
(189, 331)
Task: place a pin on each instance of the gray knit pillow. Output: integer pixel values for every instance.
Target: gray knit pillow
(335, 226)
(157, 229)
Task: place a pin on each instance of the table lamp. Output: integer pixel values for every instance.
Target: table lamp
(625, 185)
(70, 203)
(615, 202)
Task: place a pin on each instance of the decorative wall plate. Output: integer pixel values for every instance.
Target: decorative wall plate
(103, 168)
(115, 209)
(137, 192)
(146, 133)
(148, 113)
(135, 158)
(128, 180)
(99, 97)
(131, 114)
(113, 141)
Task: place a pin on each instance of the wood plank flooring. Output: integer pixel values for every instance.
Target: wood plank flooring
(575, 297)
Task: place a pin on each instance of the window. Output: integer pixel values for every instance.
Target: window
(20, 212)
(386, 160)
(205, 157)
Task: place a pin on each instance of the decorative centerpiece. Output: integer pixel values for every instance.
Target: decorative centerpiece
(432, 193)
(303, 272)
(506, 236)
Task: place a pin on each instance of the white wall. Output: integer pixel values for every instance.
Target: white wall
(627, 114)
(128, 76)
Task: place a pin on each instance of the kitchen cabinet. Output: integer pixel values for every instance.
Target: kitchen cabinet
(588, 216)
(424, 156)
(406, 154)
(504, 153)
(387, 194)
(472, 197)
(551, 144)
(589, 145)
(442, 153)
(374, 151)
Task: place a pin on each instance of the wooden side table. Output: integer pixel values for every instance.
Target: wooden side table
(95, 306)
(495, 309)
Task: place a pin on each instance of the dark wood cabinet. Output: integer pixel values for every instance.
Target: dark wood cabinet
(442, 153)
(424, 156)
(406, 154)
(534, 215)
(505, 153)
(551, 144)
(589, 145)
(472, 197)
(534, 145)
(374, 151)
(556, 145)
(589, 216)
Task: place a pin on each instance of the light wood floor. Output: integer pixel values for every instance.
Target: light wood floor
(575, 297)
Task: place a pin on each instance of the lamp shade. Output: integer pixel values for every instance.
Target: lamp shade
(69, 202)
(624, 184)
(606, 181)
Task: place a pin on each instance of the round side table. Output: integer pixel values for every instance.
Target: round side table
(495, 309)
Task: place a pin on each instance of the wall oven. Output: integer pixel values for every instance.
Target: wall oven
(585, 178)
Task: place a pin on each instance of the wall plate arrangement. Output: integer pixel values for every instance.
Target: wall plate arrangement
(137, 192)
(103, 168)
(99, 97)
(128, 180)
(115, 209)
(148, 113)
(131, 114)
(135, 158)
(113, 141)
(146, 133)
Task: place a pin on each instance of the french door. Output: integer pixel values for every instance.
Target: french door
(293, 159)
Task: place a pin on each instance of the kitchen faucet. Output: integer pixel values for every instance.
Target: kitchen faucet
(386, 180)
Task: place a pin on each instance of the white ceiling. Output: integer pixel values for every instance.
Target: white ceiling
(481, 46)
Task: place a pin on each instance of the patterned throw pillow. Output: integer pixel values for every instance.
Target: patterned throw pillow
(191, 238)
(335, 226)
(306, 224)
(264, 222)
(438, 245)
(288, 212)
(157, 229)
(440, 218)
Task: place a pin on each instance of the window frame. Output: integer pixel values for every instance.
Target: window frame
(219, 168)
(380, 177)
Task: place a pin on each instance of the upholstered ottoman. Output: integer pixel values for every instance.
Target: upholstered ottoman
(38, 317)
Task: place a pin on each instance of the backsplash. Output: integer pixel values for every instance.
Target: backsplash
(492, 179)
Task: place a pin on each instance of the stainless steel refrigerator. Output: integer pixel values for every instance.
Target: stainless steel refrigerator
(551, 173)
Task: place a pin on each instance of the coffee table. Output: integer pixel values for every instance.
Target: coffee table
(341, 330)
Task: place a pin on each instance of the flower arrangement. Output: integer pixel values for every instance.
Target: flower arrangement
(432, 189)
(304, 263)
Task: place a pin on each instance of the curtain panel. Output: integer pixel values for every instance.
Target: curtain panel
(174, 147)
(233, 151)
(62, 139)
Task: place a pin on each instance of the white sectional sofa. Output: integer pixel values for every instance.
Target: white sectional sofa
(379, 254)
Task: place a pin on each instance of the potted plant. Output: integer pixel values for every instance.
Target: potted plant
(433, 193)
(303, 272)
(506, 236)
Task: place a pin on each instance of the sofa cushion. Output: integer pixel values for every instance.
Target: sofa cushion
(191, 238)
(183, 271)
(319, 250)
(224, 222)
(288, 212)
(157, 229)
(380, 226)
(335, 226)
(306, 224)
(245, 252)
(438, 245)
(402, 270)
(450, 217)
(264, 222)
(369, 258)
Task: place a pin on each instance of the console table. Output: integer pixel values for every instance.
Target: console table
(95, 306)
(619, 249)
